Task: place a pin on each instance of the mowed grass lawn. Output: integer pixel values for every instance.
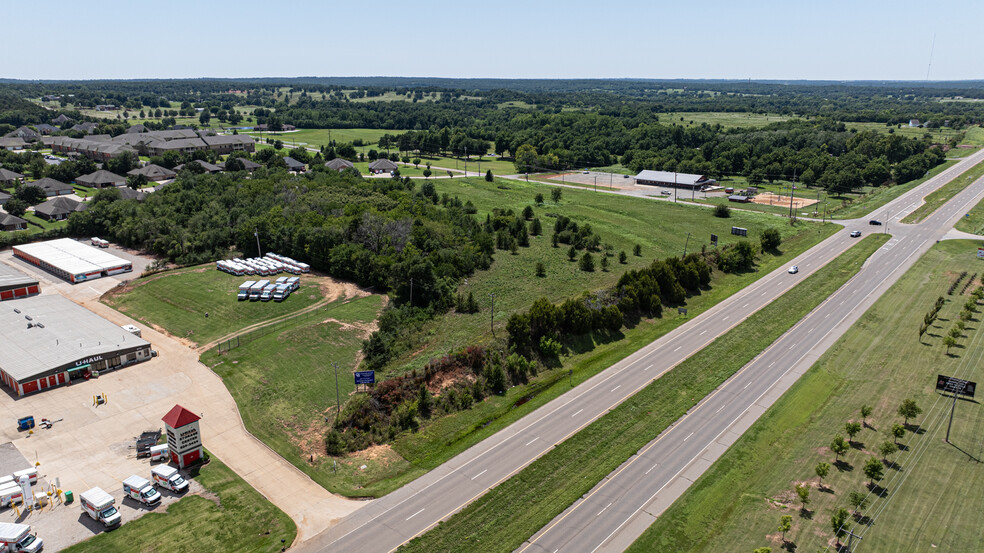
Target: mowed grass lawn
(934, 200)
(553, 482)
(736, 505)
(178, 301)
(238, 519)
(725, 119)
(284, 385)
(320, 137)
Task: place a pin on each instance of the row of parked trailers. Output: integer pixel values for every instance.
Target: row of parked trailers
(268, 265)
(264, 290)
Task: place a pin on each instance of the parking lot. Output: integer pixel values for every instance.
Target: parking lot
(93, 445)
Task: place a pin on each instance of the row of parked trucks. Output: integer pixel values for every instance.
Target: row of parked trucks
(99, 242)
(10, 490)
(17, 537)
(264, 290)
(268, 265)
(101, 506)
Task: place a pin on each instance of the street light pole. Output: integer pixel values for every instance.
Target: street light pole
(338, 401)
(257, 235)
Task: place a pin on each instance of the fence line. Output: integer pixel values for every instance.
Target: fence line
(258, 333)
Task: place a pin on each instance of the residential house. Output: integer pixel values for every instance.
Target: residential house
(58, 209)
(107, 107)
(46, 129)
(10, 222)
(209, 167)
(248, 164)
(88, 127)
(131, 194)
(12, 143)
(382, 165)
(339, 164)
(8, 177)
(154, 172)
(61, 120)
(227, 143)
(25, 133)
(52, 187)
(294, 165)
(4, 197)
(101, 179)
(137, 129)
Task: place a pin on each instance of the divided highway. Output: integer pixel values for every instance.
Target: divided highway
(624, 504)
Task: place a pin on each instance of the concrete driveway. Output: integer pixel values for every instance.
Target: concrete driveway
(91, 446)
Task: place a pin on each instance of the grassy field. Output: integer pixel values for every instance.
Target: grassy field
(320, 137)
(850, 208)
(285, 387)
(498, 166)
(551, 483)
(725, 119)
(974, 222)
(945, 193)
(938, 135)
(736, 504)
(178, 301)
(237, 519)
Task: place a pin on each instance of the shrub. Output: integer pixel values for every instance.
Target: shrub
(722, 211)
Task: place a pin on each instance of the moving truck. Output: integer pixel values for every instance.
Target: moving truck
(281, 293)
(139, 488)
(11, 493)
(294, 282)
(32, 472)
(281, 280)
(18, 537)
(257, 289)
(244, 290)
(100, 506)
(267, 293)
(168, 478)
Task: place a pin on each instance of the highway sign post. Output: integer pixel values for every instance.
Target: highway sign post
(714, 239)
(366, 378)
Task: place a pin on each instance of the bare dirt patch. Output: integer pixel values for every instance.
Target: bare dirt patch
(768, 198)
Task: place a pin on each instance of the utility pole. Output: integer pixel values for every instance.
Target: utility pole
(492, 315)
(792, 194)
(953, 386)
(338, 401)
(850, 540)
(887, 221)
(674, 187)
(257, 235)
(611, 181)
(596, 183)
(685, 244)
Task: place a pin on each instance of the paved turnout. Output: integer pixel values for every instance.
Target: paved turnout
(690, 445)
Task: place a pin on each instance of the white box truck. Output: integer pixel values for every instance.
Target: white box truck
(18, 537)
(244, 290)
(140, 489)
(10, 494)
(100, 506)
(257, 289)
(281, 293)
(267, 293)
(31, 472)
(168, 478)
(294, 282)
(159, 453)
(132, 329)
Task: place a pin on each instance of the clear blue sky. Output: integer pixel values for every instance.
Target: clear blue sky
(791, 39)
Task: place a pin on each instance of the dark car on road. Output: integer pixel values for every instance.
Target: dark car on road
(874, 222)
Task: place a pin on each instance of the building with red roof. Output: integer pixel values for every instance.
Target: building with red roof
(184, 438)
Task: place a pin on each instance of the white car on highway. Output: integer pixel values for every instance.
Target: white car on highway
(794, 269)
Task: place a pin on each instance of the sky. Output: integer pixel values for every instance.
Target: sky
(709, 39)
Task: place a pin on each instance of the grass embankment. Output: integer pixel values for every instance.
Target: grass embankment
(323, 137)
(178, 301)
(945, 193)
(736, 504)
(284, 385)
(877, 197)
(550, 484)
(974, 221)
(237, 520)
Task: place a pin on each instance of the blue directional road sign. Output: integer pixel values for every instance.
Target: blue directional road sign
(365, 377)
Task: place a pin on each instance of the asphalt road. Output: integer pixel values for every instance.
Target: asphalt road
(616, 510)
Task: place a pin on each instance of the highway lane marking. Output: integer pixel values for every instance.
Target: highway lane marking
(720, 409)
(677, 349)
(533, 440)
(649, 367)
(479, 474)
(725, 319)
(744, 306)
(747, 385)
(688, 436)
(702, 333)
(772, 363)
(827, 315)
(652, 468)
(792, 346)
(575, 414)
(605, 509)
(615, 388)
(415, 514)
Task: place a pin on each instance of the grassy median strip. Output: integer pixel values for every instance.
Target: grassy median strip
(513, 511)
(945, 193)
(736, 504)
(233, 518)
(879, 196)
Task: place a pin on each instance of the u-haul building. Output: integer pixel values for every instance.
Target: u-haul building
(15, 284)
(71, 260)
(49, 341)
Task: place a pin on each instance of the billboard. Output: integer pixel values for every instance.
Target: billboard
(949, 384)
(365, 377)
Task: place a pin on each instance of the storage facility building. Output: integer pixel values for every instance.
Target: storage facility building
(15, 284)
(73, 261)
(50, 341)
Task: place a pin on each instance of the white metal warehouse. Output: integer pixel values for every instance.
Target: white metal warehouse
(50, 340)
(71, 260)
